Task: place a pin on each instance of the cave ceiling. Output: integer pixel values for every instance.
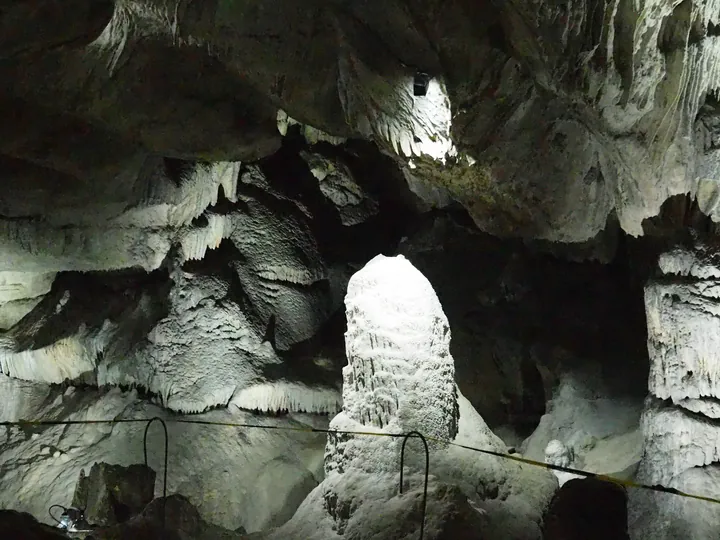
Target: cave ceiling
(542, 118)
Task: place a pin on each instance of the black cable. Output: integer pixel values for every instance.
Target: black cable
(51, 514)
(147, 427)
(334, 432)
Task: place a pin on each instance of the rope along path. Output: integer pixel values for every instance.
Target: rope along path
(510, 457)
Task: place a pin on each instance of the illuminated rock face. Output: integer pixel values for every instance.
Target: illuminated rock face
(502, 101)
(399, 378)
(557, 453)
(398, 347)
(247, 280)
(679, 424)
(412, 126)
(400, 374)
(253, 479)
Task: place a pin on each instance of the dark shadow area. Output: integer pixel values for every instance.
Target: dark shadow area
(519, 316)
(375, 173)
(89, 299)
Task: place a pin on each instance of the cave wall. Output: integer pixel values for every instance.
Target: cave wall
(188, 187)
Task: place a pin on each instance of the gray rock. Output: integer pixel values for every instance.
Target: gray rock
(173, 518)
(112, 494)
(587, 509)
(20, 525)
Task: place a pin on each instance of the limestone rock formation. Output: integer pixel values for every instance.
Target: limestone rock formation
(111, 494)
(206, 352)
(589, 425)
(219, 469)
(400, 374)
(265, 289)
(399, 379)
(338, 185)
(356, 505)
(537, 341)
(679, 420)
(612, 103)
(182, 204)
(557, 453)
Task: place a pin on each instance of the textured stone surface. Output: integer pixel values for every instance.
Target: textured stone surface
(220, 469)
(541, 119)
(679, 423)
(238, 276)
(530, 329)
(668, 517)
(111, 494)
(400, 374)
(129, 125)
(340, 188)
(399, 379)
(683, 324)
(369, 506)
(591, 426)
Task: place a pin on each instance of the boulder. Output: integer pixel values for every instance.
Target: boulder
(22, 526)
(588, 509)
(112, 494)
(181, 521)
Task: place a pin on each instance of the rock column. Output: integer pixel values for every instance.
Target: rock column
(400, 374)
(681, 420)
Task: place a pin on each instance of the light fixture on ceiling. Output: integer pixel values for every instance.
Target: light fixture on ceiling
(420, 83)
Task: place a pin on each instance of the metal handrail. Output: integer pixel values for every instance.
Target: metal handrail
(147, 427)
(427, 473)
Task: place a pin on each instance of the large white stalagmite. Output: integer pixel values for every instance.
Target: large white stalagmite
(680, 422)
(400, 378)
(400, 374)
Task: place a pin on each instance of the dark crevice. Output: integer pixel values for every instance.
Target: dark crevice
(328, 342)
(512, 309)
(626, 17)
(269, 336)
(89, 299)
(374, 172)
(220, 262)
(200, 221)
(679, 219)
(497, 37)
(700, 417)
(177, 169)
(225, 206)
(680, 29)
